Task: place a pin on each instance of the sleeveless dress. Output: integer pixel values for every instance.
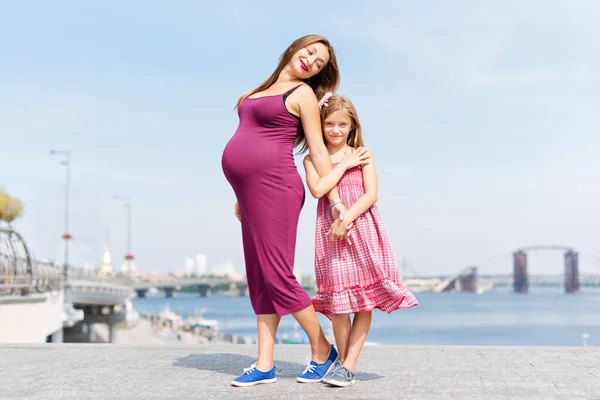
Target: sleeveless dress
(259, 164)
(364, 274)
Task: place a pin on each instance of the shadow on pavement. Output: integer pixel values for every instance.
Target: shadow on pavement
(234, 364)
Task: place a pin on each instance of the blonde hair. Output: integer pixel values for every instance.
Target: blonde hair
(326, 80)
(336, 103)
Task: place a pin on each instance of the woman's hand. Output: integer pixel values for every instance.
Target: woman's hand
(356, 157)
(238, 214)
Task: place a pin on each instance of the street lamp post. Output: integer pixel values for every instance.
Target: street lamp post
(127, 204)
(66, 235)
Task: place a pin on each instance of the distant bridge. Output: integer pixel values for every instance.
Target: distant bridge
(467, 279)
(462, 281)
(205, 286)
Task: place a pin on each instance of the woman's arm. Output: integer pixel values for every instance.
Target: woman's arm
(311, 123)
(320, 185)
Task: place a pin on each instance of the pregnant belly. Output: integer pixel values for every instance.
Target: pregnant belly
(243, 159)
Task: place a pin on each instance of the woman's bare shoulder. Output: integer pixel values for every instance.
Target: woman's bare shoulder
(305, 92)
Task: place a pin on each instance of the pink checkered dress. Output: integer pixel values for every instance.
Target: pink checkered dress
(364, 274)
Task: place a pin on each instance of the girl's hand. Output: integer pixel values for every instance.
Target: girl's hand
(238, 214)
(338, 230)
(356, 157)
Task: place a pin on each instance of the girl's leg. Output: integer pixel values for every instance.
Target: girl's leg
(358, 336)
(266, 325)
(319, 346)
(341, 331)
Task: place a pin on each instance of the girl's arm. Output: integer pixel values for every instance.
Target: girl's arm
(367, 200)
(320, 185)
(311, 123)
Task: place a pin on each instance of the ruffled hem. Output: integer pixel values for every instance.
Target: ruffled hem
(386, 295)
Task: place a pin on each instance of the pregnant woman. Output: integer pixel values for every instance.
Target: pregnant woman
(279, 115)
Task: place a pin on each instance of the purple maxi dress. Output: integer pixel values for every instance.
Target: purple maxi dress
(258, 162)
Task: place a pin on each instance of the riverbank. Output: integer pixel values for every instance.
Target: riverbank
(144, 333)
(155, 330)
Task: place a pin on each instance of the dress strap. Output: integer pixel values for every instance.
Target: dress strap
(286, 94)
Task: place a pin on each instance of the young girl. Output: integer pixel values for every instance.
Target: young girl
(360, 272)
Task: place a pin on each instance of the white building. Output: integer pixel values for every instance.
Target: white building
(227, 269)
(201, 269)
(188, 268)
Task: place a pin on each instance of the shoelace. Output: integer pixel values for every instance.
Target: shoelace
(251, 368)
(309, 367)
(345, 372)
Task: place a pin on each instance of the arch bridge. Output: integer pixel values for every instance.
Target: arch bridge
(466, 280)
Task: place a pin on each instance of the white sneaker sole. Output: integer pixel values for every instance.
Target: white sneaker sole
(245, 384)
(304, 380)
(341, 384)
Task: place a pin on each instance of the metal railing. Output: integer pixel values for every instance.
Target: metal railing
(20, 273)
(83, 274)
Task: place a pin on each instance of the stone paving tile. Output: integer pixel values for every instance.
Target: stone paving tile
(91, 371)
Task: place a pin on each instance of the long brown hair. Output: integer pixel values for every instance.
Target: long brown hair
(336, 103)
(327, 80)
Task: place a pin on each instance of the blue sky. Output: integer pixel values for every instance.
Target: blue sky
(483, 119)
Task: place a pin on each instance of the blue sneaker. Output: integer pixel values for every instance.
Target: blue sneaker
(252, 376)
(315, 372)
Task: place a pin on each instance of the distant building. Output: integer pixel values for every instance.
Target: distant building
(177, 273)
(106, 267)
(226, 269)
(201, 265)
(89, 268)
(229, 269)
(128, 268)
(189, 267)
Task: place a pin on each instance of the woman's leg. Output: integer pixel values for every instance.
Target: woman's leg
(358, 336)
(319, 346)
(341, 330)
(266, 325)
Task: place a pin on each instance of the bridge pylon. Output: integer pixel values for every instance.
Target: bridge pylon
(205, 289)
(571, 262)
(571, 271)
(520, 276)
(242, 287)
(468, 281)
